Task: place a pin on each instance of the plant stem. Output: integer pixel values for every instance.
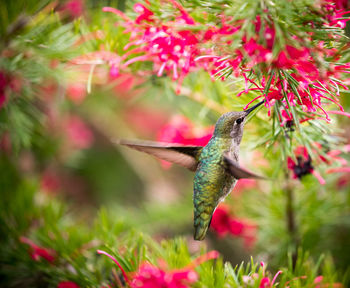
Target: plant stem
(291, 222)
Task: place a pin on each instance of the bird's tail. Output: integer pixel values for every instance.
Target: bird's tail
(201, 223)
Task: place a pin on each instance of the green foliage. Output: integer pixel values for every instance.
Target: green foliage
(126, 202)
(75, 243)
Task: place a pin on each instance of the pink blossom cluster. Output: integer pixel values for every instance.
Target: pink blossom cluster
(294, 75)
(171, 50)
(149, 275)
(3, 84)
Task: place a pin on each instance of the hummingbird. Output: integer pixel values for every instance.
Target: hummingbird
(216, 165)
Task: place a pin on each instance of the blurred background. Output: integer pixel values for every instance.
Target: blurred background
(62, 173)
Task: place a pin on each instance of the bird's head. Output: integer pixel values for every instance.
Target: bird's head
(230, 125)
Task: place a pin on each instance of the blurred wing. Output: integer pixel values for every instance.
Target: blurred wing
(186, 156)
(238, 172)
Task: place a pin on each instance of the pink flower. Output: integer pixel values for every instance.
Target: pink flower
(339, 4)
(176, 51)
(74, 8)
(5, 143)
(257, 52)
(50, 181)
(295, 53)
(126, 278)
(265, 281)
(150, 276)
(67, 284)
(145, 13)
(303, 165)
(244, 184)
(37, 252)
(319, 283)
(78, 133)
(3, 84)
(287, 119)
(225, 224)
(182, 131)
(135, 117)
(76, 92)
(283, 61)
(217, 32)
(125, 85)
(310, 94)
(172, 51)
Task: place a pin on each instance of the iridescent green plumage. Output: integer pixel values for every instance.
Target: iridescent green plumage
(216, 165)
(211, 184)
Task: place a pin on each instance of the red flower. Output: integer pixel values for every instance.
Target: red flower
(76, 92)
(175, 50)
(78, 133)
(172, 51)
(5, 143)
(50, 182)
(287, 119)
(303, 164)
(3, 84)
(135, 117)
(37, 252)
(125, 85)
(67, 284)
(223, 224)
(257, 52)
(145, 14)
(149, 276)
(339, 4)
(319, 283)
(243, 184)
(180, 130)
(265, 283)
(74, 8)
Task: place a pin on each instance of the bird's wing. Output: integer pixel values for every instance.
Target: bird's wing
(236, 171)
(186, 156)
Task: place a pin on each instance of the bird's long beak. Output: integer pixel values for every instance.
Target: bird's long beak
(252, 108)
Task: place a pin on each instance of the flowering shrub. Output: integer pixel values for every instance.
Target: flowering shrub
(299, 73)
(74, 77)
(292, 73)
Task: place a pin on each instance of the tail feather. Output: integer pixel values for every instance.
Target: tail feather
(202, 223)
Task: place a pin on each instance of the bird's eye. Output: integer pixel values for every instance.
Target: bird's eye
(239, 120)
